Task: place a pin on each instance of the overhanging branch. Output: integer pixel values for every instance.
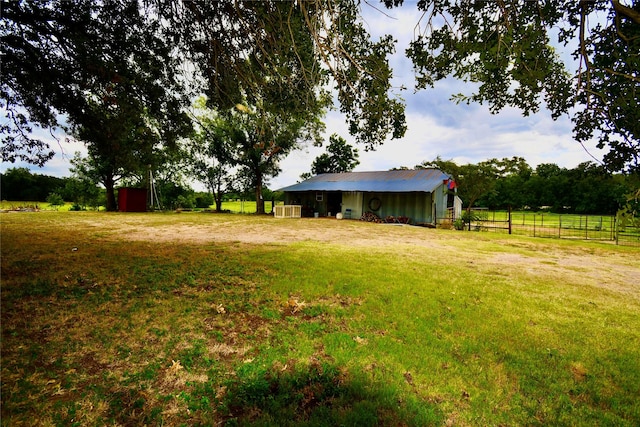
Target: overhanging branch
(625, 11)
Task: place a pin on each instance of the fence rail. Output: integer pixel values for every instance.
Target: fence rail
(560, 226)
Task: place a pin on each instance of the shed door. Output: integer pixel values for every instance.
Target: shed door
(334, 202)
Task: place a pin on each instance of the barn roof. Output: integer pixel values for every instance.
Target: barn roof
(397, 181)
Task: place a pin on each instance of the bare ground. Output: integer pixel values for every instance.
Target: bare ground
(601, 264)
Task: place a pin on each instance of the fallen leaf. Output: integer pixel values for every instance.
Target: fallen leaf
(408, 377)
(360, 340)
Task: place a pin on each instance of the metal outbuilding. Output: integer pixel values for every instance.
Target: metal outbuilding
(423, 195)
(132, 199)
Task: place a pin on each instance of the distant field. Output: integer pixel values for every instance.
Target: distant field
(211, 319)
(6, 205)
(553, 225)
(245, 207)
(234, 207)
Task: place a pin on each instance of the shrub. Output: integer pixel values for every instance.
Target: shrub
(204, 200)
(54, 199)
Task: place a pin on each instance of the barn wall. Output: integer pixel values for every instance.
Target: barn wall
(440, 196)
(415, 205)
(419, 206)
(352, 200)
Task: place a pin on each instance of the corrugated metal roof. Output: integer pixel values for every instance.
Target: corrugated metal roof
(399, 181)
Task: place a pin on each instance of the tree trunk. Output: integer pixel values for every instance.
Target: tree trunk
(109, 185)
(259, 201)
(217, 195)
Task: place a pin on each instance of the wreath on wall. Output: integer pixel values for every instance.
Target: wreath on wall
(374, 204)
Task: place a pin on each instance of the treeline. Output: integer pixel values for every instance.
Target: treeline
(497, 184)
(21, 185)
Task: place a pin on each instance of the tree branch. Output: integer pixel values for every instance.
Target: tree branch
(583, 50)
(625, 75)
(625, 11)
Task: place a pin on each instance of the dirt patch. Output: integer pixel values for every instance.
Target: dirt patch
(604, 268)
(269, 231)
(613, 273)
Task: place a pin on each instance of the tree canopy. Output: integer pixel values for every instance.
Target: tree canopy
(67, 59)
(304, 47)
(504, 47)
(339, 157)
(103, 65)
(510, 182)
(118, 74)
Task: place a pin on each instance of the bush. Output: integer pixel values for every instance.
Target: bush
(185, 202)
(54, 199)
(204, 200)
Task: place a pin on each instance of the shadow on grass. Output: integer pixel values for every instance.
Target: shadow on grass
(318, 394)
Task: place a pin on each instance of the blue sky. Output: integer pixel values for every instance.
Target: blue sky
(436, 125)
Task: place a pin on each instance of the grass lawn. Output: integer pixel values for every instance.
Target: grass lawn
(208, 319)
(6, 205)
(247, 206)
(232, 206)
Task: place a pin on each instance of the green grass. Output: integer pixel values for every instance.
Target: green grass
(7, 205)
(527, 218)
(231, 206)
(566, 226)
(422, 327)
(245, 206)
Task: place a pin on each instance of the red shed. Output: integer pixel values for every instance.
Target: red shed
(132, 199)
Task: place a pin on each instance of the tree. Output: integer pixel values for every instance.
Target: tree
(103, 66)
(475, 181)
(340, 157)
(510, 185)
(274, 99)
(629, 214)
(18, 184)
(290, 51)
(593, 190)
(119, 144)
(82, 192)
(504, 47)
(472, 181)
(211, 151)
(265, 137)
(56, 51)
(82, 188)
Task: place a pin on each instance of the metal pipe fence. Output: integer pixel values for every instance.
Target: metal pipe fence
(550, 225)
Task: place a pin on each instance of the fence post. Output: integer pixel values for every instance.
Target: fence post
(586, 227)
(600, 229)
(560, 227)
(612, 226)
(509, 219)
